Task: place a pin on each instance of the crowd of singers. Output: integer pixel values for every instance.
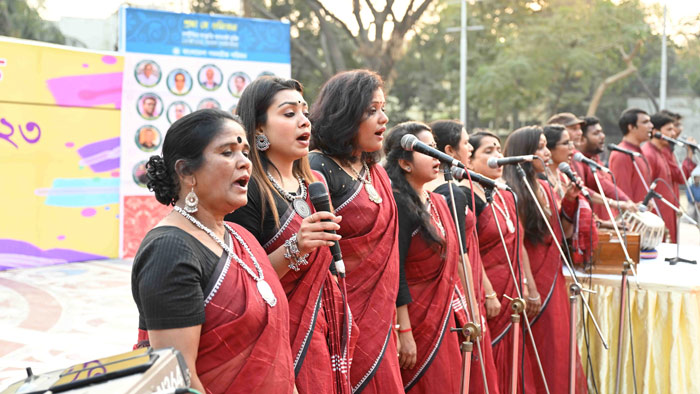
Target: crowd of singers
(239, 277)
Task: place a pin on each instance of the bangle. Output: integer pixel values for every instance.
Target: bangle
(534, 299)
(492, 295)
(291, 253)
(409, 329)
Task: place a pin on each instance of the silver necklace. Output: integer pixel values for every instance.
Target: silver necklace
(436, 216)
(504, 212)
(298, 202)
(367, 180)
(263, 287)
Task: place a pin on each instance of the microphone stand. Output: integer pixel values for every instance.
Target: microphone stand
(628, 265)
(572, 340)
(690, 193)
(472, 329)
(517, 304)
(646, 187)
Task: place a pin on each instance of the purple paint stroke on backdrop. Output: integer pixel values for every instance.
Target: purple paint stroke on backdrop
(101, 156)
(87, 212)
(109, 59)
(21, 254)
(87, 90)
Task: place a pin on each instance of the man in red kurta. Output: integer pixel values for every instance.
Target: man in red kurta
(658, 155)
(593, 143)
(635, 125)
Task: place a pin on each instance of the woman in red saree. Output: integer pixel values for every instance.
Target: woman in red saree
(202, 286)
(452, 138)
(280, 216)
(348, 123)
(429, 353)
(550, 327)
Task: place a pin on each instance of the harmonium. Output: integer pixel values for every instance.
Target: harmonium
(645, 231)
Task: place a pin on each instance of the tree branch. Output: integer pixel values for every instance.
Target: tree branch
(326, 12)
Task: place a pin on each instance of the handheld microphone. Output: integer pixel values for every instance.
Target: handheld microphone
(566, 169)
(409, 142)
(583, 159)
(460, 174)
(623, 150)
(670, 140)
(650, 194)
(690, 144)
(321, 202)
(495, 163)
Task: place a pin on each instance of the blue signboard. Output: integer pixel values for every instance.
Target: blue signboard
(201, 35)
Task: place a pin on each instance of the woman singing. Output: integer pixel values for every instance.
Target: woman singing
(550, 327)
(452, 138)
(494, 220)
(280, 216)
(202, 286)
(428, 254)
(348, 123)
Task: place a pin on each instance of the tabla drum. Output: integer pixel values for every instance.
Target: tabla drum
(650, 227)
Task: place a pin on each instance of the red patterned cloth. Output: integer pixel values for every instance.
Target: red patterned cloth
(140, 215)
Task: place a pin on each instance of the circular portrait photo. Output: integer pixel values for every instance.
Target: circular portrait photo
(138, 173)
(179, 82)
(237, 83)
(208, 103)
(177, 110)
(149, 106)
(210, 77)
(148, 138)
(147, 73)
(266, 74)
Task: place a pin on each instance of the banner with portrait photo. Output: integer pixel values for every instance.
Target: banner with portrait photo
(175, 64)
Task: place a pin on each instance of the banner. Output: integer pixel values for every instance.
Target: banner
(176, 64)
(59, 154)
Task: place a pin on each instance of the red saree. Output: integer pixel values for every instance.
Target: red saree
(433, 282)
(322, 340)
(550, 327)
(476, 380)
(370, 253)
(495, 263)
(244, 343)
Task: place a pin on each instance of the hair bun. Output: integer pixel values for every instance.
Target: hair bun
(160, 181)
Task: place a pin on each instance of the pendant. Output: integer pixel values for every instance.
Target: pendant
(372, 193)
(266, 292)
(301, 207)
(509, 224)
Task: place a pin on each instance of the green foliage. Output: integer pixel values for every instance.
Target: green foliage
(17, 19)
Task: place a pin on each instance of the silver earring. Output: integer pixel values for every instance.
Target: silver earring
(408, 169)
(261, 142)
(191, 201)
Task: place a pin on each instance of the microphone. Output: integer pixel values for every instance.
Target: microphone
(409, 142)
(650, 194)
(583, 159)
(495, 163)
(460, 174)
(623, 150)
(670, 140)
(690, 144)
(566, 169)
(321, 202)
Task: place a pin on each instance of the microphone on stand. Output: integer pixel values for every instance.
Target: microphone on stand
(690, 144)
(623, 150)
(409, 142)
(460, 174)
(670, 140)
(583, 159)
(566, 169)
(650, 194)
(495, 163)
(321, 202)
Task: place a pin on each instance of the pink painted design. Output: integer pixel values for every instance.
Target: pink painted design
(115, 174)
(87, 90)
(87, 212)
(69, 144)
(85, 65)
(107, 59)
(61, 237)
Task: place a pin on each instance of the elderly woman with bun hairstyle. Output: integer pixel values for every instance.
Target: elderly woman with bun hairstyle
(204, 286)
